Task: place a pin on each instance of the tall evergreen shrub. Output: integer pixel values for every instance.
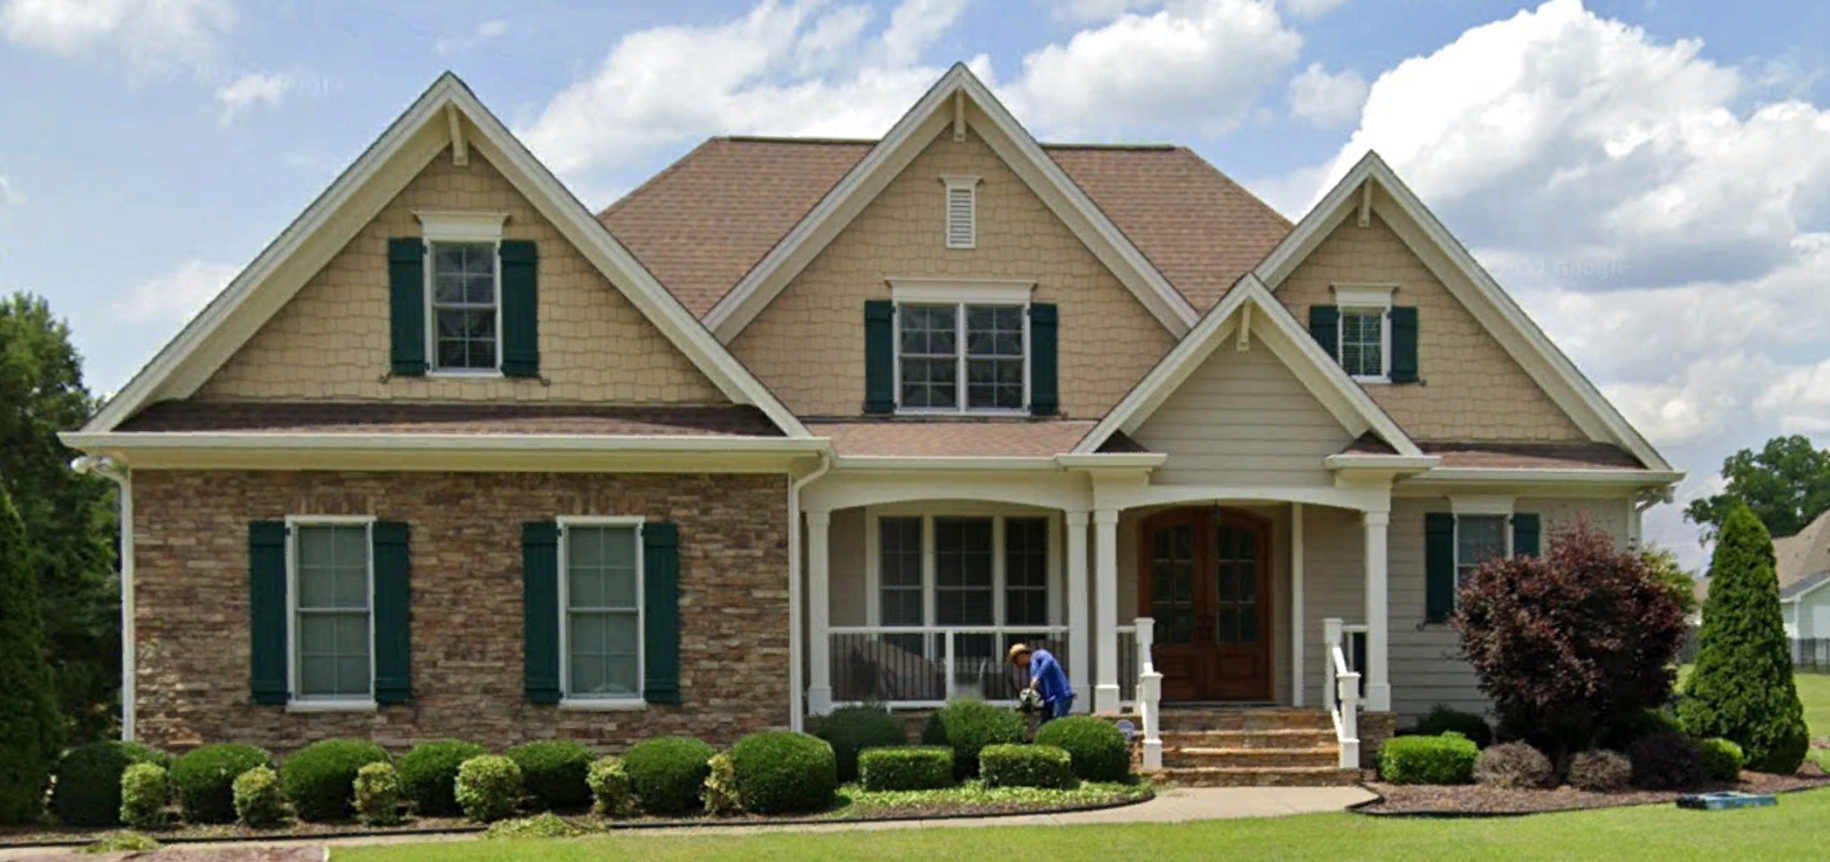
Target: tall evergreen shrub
(30, 726)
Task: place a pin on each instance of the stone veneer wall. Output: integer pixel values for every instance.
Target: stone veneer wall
(191, 538)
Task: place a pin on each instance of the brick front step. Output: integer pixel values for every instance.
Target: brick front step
(1293, 738)
(1251, 758)
(1190, 719)
(1245, 776)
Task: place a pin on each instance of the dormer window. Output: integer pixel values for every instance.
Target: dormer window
(463, 292)
(962, 348)
(962, 211)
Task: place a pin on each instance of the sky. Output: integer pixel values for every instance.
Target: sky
(1650, 179)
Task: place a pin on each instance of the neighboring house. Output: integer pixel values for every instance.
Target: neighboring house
(1803, 567)
(803, 422)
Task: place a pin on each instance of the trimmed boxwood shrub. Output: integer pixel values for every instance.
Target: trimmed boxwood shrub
(553, 773)
(204, 779)
(145, 790)
(668, 774)
(783, 772)
(88, 789)
(1442, 719)
(922, 767)
(428, 775)
(1666, 761)
(1600, 771)
(1722, 759)
(851, 729)
(967, 726)
(609, 783)
(1446, 759)
(1098, 749)
(488, 787)
(1027, 766)
(320, 778)
(259, 802)
(1513, 765)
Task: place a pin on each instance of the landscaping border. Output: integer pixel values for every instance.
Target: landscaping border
(1363, 808)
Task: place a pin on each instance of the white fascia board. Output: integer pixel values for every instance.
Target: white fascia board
(941, 463)
(1112, 460)
(1389, 463)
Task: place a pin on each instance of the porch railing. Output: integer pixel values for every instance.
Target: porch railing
(1149, 692)
(1130, 664)
(925, 666)
(1341, 688)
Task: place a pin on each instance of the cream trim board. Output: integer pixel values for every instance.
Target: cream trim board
(601, 701)
(296, 702)
(1364, 295)
(449, 226)
(1470, 505)
(949, 291)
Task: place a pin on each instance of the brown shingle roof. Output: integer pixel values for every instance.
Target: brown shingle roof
(388, 418)
(704, 222)
(1805, 553)
(1535, 456)
(930, 439)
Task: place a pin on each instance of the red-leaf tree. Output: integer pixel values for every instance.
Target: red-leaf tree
(1569, 644)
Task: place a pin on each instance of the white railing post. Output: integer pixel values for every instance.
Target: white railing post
(947, 667)
(1331, 635)
(1149, 693)
(1349, 735)
(1341, 693)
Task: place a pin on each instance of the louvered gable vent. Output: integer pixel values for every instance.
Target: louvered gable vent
(962, 212)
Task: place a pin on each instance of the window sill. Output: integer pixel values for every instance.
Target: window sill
(332, 706)
(465, 375)
(1373, 381)
(621, 704)
(929, 412)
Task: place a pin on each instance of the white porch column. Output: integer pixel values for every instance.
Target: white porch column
(1378, 624)
(1298, 634)
(1080, 632)
(819, 618)
(1105, 578)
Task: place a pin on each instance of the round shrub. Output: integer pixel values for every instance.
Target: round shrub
(851, 729)
(1637, 726)
(320, 779)
(1446, 759)
(204, 779)
(145, 790)
(1027, 766)
(1098, 749)
(668, 774)
(967, 726)
(1722, 759)
(378, 794)
(1441, 719)
(922, 767)
(488, 787)
(1600, 771)
(428, 775)
(259, 803)
(609, 783)
(1666, 761)
(88, 789)
(722, 798)
(1515, 766)
(782, 772)
(553, 773)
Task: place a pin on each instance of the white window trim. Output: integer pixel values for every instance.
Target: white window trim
(447, 226)
(602, 702)
(1479, 507)
(296, 702)
(955, 182)
(1363, 298)
(873, 559)
(470, 228)
(960, 294)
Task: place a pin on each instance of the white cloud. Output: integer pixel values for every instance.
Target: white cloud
(1189, 67)
(1325, 99)
(484, 32)
(1099, 10)
(1311, 8)
(254, 88)
(176, 295)
(9, 194)
(152, 35)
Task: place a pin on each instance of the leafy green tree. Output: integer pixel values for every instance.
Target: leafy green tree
(1662, 563)
(1742, 689)
(30, 728)
(1786, 484)
(69, 519)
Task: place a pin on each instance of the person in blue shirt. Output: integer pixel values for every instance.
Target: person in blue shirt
(1046, 679)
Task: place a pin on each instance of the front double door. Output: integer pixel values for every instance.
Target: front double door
(1204, 576)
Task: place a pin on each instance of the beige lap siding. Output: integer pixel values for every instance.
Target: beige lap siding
(808, 344)
(191, 530)
(331, 340)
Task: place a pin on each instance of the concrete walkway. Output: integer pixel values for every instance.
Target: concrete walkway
(1170, 806)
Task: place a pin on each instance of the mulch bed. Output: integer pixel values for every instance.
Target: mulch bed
(1414, 800)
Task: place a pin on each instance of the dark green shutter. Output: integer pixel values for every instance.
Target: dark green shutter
(407, 304)
(1525, 534)
(1438, 567)
(1325, 326)
(661, 612)
(1044, 387)
(1404, 344)
(267, 612)
(393, 616)
(540, 609)
(520, 309)
(879, 356)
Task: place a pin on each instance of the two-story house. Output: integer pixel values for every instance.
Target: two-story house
(806, 422)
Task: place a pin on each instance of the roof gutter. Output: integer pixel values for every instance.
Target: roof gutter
(1505, 475)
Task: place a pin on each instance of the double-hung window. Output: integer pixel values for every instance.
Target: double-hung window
(962, 571)
(1479, 539)
(332, 583)
(1365, 336)
(464, 291)
(600, 604)
(962, 349)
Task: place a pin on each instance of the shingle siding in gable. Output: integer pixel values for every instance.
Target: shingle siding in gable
(331, 341)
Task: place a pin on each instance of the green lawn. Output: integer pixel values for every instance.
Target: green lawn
(1793, 830)
(1814, 690)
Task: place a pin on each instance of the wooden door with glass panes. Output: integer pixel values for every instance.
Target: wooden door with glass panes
(1204, 576)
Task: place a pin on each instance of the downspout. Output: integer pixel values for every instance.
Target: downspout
(796, 615)
(120, 475)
